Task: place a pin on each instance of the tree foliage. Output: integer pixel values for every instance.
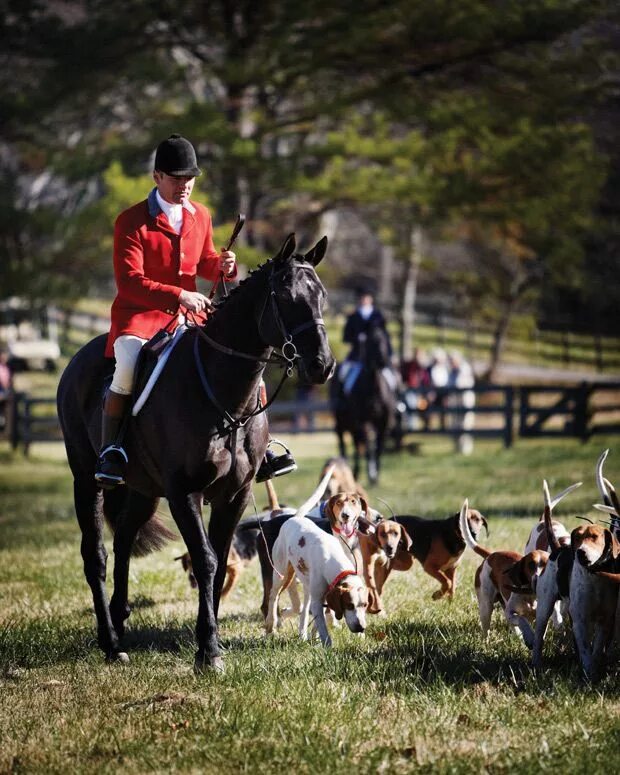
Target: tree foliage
(471, 119)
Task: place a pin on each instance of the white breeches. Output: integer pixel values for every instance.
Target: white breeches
(126, 351)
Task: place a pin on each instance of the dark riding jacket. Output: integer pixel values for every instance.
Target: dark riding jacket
(356, 326)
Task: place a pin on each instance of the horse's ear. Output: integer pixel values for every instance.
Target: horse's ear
(315, 255)
(287, 249)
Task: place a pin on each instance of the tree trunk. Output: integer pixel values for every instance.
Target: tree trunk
(410, 292)
(386, 276)
(501, 330)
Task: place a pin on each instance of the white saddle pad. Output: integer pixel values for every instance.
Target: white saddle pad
(161, 362)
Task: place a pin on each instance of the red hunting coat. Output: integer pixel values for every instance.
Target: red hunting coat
(153, 264)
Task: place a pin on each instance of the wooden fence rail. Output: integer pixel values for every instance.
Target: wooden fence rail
(578, 411)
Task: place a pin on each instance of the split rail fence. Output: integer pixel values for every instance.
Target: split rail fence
(504, 412)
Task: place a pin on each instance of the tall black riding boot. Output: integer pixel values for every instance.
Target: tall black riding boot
(276, 465)
(112, 462)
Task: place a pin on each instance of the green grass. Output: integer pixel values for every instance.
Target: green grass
(421, 693)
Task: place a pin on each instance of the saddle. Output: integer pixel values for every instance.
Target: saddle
(150, 364)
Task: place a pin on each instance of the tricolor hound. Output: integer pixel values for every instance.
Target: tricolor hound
(326, 572)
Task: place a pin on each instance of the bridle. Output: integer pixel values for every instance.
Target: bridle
(287, 356)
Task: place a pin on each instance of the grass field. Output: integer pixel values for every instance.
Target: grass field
(421, 693)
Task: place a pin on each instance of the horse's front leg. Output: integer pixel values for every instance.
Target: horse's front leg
(341, 443)
(224, 519)
(186, 510)
(133, 512)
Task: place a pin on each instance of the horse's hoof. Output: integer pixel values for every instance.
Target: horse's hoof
(212, 665)
(120, 657)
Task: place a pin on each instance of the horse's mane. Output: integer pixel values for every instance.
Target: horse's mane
(251, 279)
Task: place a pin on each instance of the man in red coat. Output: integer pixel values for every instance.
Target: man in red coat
(160, 246)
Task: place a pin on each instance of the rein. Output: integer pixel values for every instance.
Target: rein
(287, 356)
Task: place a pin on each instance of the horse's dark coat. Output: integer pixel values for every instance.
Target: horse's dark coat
(175, 446)
(368, 411)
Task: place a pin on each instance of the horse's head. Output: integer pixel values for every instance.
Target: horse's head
(377, 350)
(291, 316)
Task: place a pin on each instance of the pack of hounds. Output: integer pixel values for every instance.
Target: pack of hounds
(342, 552)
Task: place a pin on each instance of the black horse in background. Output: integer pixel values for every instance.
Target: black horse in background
(367, 411)
(180, 445)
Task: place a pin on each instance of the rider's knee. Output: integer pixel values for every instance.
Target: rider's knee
(126, 351)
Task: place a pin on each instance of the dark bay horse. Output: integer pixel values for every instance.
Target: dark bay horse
(180, 445)
(368, 410)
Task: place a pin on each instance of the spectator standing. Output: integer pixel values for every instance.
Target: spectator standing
(6, 386)
(461, 377)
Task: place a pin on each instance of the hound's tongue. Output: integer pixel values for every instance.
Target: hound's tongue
(348, 530)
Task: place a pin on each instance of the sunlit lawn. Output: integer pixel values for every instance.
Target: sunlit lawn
(422, 692)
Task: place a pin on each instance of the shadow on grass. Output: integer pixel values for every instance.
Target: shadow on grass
(409, 653)
(464, 659)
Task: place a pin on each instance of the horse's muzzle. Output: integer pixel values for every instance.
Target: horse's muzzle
(318, 370)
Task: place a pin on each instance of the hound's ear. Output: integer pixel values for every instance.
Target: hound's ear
(287, 249)
(365, 508)
(329, 507)
(368, 530)
(609, 543)
(516, 576)
(315, 255)
(334, 600)
(405, 540)
(486, 525)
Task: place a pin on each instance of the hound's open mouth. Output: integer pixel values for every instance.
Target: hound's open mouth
(348, 530)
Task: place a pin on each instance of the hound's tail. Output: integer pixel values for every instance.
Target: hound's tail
(316, 495)
(554, 544)
(553, 502)
(274, 503)
(466, 532)
(284, 514)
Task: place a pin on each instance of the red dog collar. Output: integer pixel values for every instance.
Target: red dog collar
(342, 575)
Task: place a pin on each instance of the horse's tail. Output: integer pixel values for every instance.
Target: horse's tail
(151, 537)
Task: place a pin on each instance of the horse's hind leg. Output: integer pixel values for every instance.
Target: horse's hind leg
(186, 510)
(88, 499)
(381, 433)
(133, 511)
(360, 443)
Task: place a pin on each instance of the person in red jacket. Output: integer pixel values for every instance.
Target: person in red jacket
(160, 246)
